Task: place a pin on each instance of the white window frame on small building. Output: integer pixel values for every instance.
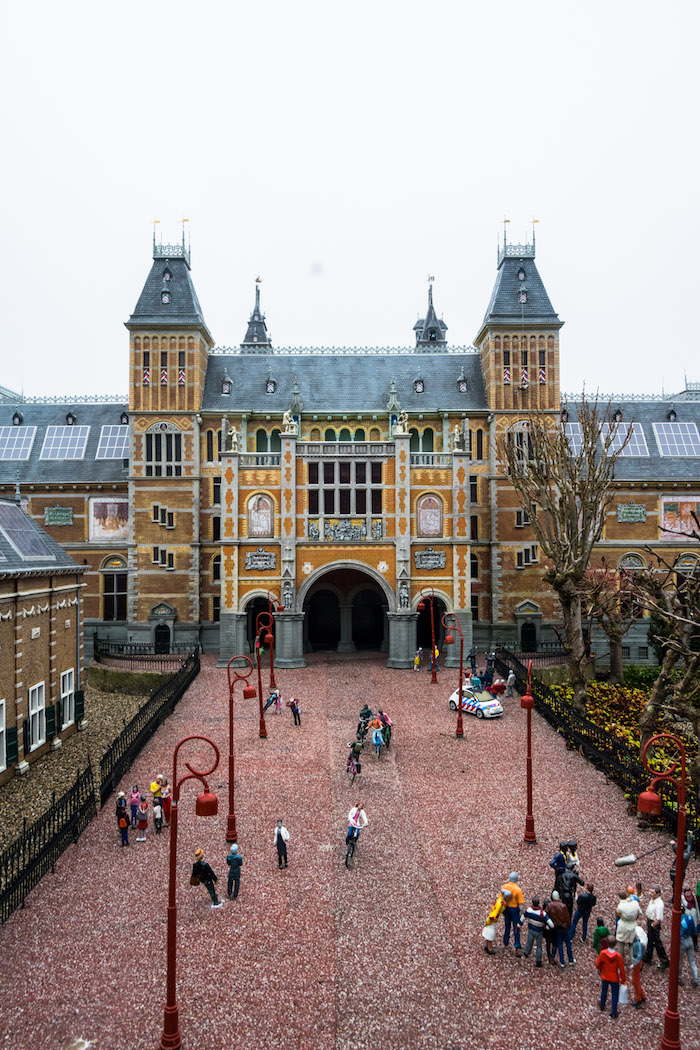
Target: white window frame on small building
(36, 703)
(67, 698)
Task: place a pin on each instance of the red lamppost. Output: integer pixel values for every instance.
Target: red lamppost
(273, 605)
(650, 802)
(207, 805)
(421, 605)
(528, 703)
(263, 622)
(248, 694)
(449, 639)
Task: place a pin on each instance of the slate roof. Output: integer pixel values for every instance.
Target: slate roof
(37, 471)
(357, 383)
(654, 467)
(183, 308)
(505, 307)
(256, 333)
(41, 552)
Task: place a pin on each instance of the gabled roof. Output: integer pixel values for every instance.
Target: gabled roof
(256, 337)
(357, 383)
(505, 307)
(183, 307)
(25, 547)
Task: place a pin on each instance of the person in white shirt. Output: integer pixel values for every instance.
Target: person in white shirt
(655, 915)
(510, 683)
(357, 820)
(280, 841)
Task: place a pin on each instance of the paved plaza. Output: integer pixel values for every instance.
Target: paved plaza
(388, 955)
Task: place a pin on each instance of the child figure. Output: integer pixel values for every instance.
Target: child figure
(599, 933)
(142, 819)
(278, 703)
(417, 659)
(134, 800)
(157, 815)
(489, 930)
(124, 828)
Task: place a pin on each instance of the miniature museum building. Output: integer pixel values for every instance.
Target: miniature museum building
(342, 483)
(40, 641)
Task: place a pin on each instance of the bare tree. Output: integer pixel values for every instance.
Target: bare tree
(608, 604)
(671, 591)
(568, 479)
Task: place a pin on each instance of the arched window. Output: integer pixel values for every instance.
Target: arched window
(429, 516)
(275, 441)
(260, 516)
(216, 568)
(497, 343)
(428, 439)
(330, 435)
(374, 434)
(360, 434)
(210, 446)
(163, 451)
(261, 440)
(479, 444)
(415, 440)
(114, 587)
(315, 434)
(345, 435)
(474, 566)
(631, 562)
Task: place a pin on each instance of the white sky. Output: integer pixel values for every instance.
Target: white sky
(344, 152)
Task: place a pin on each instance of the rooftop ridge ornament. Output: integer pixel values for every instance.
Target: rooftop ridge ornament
(78, 399)
(616, 398)
(335, 351)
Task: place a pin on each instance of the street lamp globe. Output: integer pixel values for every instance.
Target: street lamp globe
(649, 802)
(249, 692)
(207, 804)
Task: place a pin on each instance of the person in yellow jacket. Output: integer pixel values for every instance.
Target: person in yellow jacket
(489, 930)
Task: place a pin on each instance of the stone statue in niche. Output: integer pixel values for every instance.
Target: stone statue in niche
(404, 596)
(229, 436)
(288, 596)
(458, 439)
(289, 424)
(401, 425)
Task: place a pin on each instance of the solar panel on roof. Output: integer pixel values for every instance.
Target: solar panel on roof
(65, 442)
(574, 437)
(677, 439)
(114, 442)
(637, 444)
(16, 442)
(19, 533)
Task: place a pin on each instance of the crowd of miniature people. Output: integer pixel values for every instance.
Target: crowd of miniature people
(626, 934)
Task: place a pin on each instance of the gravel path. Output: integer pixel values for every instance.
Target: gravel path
(387, 955)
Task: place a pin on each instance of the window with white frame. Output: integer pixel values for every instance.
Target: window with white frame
(67, 698)
(37, 716)
(3, 749)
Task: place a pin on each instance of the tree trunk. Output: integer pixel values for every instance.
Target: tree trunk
(615, 676)
(650, 715)
(575, 649)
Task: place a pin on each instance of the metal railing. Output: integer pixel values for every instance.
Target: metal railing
(139, 656)
(431, 459)
(345, 351)
(24, 863)
(121, 754)
(609, 754)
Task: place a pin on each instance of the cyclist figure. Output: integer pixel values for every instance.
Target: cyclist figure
(352, 765)
(357, 820)
(357, 747)
(365, 715)
(386, 727)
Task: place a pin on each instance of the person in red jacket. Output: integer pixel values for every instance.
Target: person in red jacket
(611, 966)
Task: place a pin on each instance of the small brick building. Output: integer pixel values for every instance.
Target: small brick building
(40, 642)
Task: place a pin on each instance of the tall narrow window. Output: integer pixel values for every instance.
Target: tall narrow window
(67, 698)
(163, 454)
(216, 493)
(474, 566)
(479, 444)
(216, 569)
(216, 608)
(216, 528)
(474, 488)
(114, 590)
(37, 716)
(210, 446)
(475, 607)
(474, 522)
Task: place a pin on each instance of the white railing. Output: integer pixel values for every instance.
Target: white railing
(334, 449)
(431, 459)
(259, 459)
(335, 351)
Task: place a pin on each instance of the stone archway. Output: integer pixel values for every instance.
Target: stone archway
(357, 596)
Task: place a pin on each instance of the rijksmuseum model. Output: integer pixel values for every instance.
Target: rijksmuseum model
(340, 482)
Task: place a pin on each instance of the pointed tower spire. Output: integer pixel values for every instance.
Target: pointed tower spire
(256, 339)
(430, 330)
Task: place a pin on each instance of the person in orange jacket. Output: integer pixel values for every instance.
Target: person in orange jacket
(611, 967)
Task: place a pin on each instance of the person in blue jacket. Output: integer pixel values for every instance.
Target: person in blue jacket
(688, 935)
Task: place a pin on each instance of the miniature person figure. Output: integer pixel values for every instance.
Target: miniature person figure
(559, 914)
(434, 660)
(489, 930)
(166, 800)
(571, 854)
(158, 815)
(296, 714)
(585, 903)
(280, 841)
(124, 827)
(510, 683)
(278, 703)
(569, 881)
(601, 931)
(558, 863)
(639, 945)
(686, 857)
(689, 935)
(121, 807)
(472, 659)
(156, 788)
(628, 912)
(655, 916)
(134, 799)
(202, 871)
(417, 659)
(537, 922)
(611, 967)
(271, 699)
(235, 862)
(512, 914)
(142, 819)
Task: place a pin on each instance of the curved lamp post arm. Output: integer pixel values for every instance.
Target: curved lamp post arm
(238, 673)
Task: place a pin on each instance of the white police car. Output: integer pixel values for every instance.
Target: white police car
(483, 705)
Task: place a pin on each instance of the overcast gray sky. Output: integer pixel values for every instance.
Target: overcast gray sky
(344, 153)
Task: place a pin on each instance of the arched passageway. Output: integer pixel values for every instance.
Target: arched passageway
(323, 616)
(423, 628)
(345, 610)
(257, 605)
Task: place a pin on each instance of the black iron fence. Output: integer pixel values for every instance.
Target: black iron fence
(547, 654)
(37, 849)
(618, 760)
(139, 656)
(119, 757)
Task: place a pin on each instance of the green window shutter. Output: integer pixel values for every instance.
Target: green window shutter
(25, 737)
(79, 705)
(50, 722)
(12, 750)
(59, 715)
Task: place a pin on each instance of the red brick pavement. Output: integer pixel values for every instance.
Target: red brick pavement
(388, 955)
